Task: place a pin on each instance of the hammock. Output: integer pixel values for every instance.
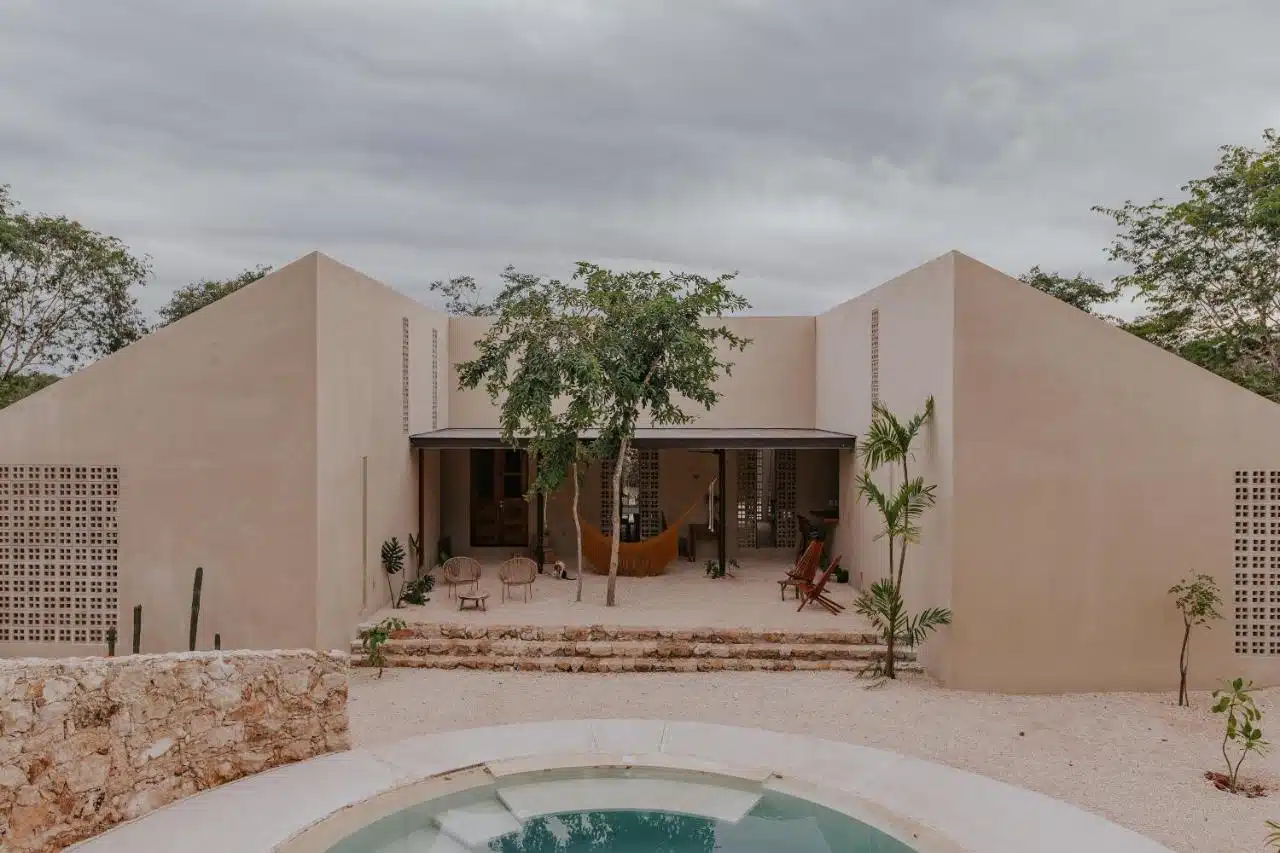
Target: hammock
(635, 559)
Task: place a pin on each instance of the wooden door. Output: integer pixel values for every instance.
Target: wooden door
(499, 511)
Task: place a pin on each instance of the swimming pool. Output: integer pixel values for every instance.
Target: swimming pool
(618, 810)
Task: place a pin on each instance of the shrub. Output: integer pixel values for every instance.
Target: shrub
(1237, 705)
(371, 639)
(1197, 600)
(392, 563)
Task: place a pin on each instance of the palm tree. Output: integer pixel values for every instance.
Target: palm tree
(888, 442)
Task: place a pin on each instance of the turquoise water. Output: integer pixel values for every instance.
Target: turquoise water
(776, 823)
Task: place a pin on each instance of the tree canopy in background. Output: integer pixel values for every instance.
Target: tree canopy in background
(66, 292)
(1206, 269)
(191, 298)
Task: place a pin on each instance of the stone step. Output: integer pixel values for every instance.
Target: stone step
(598, 633)
(627, 664)
(628, 649)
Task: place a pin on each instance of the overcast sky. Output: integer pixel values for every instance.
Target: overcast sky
(818, 146)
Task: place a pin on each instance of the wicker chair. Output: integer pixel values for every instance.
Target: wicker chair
(460, 571)
(518, 571)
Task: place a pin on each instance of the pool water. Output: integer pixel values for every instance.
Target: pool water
(621, 812)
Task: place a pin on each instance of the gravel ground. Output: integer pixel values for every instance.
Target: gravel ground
(1133, 758)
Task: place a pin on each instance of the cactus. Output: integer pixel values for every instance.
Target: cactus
(137, 628)
(195, 608)
(111, 641)
(217, 642)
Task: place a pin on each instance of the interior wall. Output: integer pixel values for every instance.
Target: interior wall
(1093, 471)
(360, 421)
(916, 339)
(211, 422)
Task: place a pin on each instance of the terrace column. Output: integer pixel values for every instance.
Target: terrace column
(721, 511)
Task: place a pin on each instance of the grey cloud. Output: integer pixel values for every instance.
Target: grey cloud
(819, 147)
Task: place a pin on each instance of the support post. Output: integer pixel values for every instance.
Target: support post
(541, 522)
(721, 512)
(422, 508)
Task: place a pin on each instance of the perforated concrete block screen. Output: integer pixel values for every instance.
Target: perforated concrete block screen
(59, 553)
(1256, 594)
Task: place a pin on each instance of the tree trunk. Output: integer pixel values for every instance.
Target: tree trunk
(890, 671)
(577, 524)
(614, 546)
(1183, 661)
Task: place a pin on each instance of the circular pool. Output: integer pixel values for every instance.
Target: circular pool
(610, 810)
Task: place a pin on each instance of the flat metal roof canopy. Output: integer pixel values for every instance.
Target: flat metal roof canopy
(658, 438)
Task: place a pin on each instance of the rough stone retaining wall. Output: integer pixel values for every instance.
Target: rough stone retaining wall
(86, 743)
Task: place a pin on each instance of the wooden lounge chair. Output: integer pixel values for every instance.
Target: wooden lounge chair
(804, 570)
(518, 571)
(816, 592)
(460, 571)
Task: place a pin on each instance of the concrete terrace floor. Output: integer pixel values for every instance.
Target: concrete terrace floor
(684, 597)
(1135, 759)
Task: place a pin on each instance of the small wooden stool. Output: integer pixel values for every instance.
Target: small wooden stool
(477, 600)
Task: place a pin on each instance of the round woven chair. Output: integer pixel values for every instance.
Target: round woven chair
(460, 571)
(518, 571)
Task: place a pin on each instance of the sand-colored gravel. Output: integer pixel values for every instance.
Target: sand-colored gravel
(1135, 759)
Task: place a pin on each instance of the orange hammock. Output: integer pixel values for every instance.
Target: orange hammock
(635, 559)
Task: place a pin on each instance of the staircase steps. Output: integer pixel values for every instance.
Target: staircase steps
(626, 649)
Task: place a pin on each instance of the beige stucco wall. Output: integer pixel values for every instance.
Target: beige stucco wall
(359, 417)
(771, 383)
(916, 340)
(1092, 471)
(211, 422)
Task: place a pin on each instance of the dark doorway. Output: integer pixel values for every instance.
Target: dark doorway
(499, 511)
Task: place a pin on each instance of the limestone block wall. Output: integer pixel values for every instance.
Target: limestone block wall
(86, 743)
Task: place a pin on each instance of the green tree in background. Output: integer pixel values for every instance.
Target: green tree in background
(193, 297)
(66, 297)
(1080, 291)
(1206, 268)
(461, 295)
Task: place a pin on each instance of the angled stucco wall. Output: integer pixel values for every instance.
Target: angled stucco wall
(916, 317)
(360, 421)
(211, 423)
(771, 384)
(1092, 471)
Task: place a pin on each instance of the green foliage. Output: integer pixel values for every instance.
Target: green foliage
(20, 385)
(392, 556)
(1209, 267)
(66, 292)
(889, 442)
(372, 638)
(652, 349)
(1242, 733)
(882, 604)
(539, 359)
(416, 557)
(462, 296)
(191, 298)
(415, 591)
(1197, 599)
(1079, 291)
(1273, 838)
(714, 569)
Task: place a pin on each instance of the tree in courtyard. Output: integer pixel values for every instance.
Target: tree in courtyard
(191, 298)
(653, 347)
(1237, 706)
(539, 359)
(1197, 599)
(1079, 291)
(889, 443)
(66, 296)
(1209, 267)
